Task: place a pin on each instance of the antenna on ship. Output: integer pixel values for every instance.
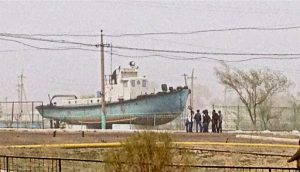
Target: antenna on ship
(103, 115)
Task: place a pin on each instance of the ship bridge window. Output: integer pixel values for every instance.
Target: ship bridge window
(138, 82)
(144, 84)
(132, 83)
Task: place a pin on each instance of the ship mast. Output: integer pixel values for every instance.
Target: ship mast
(103, 115)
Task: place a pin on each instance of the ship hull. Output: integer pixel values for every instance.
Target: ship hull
(155, 109)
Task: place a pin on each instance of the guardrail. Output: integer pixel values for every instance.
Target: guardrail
(22, 163)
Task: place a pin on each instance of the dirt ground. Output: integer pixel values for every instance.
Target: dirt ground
(39, 136)
(223, 155)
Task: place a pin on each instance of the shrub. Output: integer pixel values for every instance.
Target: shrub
(145, 152)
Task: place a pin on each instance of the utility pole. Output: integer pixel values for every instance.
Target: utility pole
(192, 89)
(103, 114)
(21, 92)
(111, 53)
(184, 114)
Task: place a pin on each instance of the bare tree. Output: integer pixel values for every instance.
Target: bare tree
(253, 87)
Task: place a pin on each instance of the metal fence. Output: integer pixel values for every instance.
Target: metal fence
(237, 118)
(18, 114)
(32, 164)
(277, 119)
(18, 163)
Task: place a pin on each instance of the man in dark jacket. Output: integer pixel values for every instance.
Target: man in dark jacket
(215, 121)
(191, 117)
(206, 121)
(219, 130)
(198, 121)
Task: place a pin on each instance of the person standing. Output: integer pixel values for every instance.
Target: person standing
(214, 122)
(206, 121)
(187, 123)
(197, 118)
(220, 122)
(191, 122)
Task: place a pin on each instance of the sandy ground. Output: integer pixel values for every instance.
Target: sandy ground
(38, 136)
(237, 155)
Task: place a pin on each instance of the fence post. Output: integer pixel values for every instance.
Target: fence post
(7, 168)
(238, 118)
(12, 114)
(154, 120)
(295, 117)
(43, 115)
(32, 106)
(59, 165)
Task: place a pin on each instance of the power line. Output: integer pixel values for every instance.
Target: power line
(163, 56)
(42, 48)
(32, 46)
(206, 53)
(19, 36)
(55, 35)
(206, 31)
(180, 58)
(27, 36)
(172, 51)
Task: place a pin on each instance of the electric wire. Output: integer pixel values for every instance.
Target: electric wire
(42, 48)
(294, 55)
(23, 35)
(152, 55)
(207, 58)
(205, 31)
(32, 46)
(46, 40)
(205, 53)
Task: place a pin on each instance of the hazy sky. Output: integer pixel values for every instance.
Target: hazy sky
(78, 72)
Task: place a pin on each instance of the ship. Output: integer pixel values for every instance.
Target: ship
(129, 100)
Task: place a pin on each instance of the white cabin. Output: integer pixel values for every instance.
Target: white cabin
(126, 84)
(123, 84)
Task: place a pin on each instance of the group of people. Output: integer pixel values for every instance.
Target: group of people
(203, 120)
